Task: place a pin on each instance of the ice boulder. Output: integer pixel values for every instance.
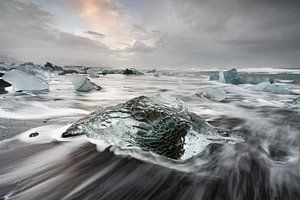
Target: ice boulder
(214, 94)
(22, 81)
(83, 84)
(268, 87)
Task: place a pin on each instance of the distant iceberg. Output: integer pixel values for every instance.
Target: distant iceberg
(233, 77)
(22, 81)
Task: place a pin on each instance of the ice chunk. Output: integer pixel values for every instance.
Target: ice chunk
(296, 101)
(93, 73)
(151, 71)
(221, 77)
(35, 70)
(160, 124)
(233, 77)
(268, 87)
(156, 74)
(132, 71)
(83, 84)
(22, 81)
(215, 94)
(230, 76)
(3, 67)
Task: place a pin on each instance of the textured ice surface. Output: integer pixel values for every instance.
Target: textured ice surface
(162, 125)
(35, 70)
(22, 81)
(83, 84)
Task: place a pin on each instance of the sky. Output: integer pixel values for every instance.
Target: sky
(152, 33)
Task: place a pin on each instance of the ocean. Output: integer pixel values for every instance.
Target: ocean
(262, 162)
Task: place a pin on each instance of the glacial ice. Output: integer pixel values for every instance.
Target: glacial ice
(93, 73)
(3, 67)
(268, 87)
(296, 100)
(22, 81)
(83, 84)
(160, 124)
(233, 77)
(215, 94)
(34, 70)
(132, 71)
(221, 77)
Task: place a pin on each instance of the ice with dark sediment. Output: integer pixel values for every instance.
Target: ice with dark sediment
(214, 94)
(274, 88)
(83, 84)
(162, 125)
(22, 81)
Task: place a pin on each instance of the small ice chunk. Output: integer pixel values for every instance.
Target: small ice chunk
(83, 84)
(22, 81)
(215, 94)
(93, 73)
(296, 101)
(3, 67)
(268, 87)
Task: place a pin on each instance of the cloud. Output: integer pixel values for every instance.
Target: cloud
(171, 33)
(27, 33)
(139, 46)
(96, 34)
